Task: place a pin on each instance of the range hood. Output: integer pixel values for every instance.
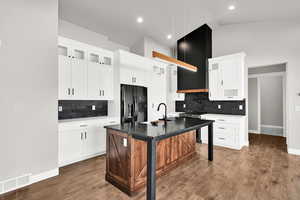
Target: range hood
(172, 61)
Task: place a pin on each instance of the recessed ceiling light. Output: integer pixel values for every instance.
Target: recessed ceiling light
(231, 7)
(169, 36)
(140, 20)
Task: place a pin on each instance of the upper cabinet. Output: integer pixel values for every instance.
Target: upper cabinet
(173, 86)
(157, 89)
(133, 68)
(100, 75)
(195, 49)
(85, 72)
(72, 67)
(227, 77)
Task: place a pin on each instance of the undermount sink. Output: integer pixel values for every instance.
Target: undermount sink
(156, 122)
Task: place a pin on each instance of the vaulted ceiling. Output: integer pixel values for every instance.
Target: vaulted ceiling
(117, 18)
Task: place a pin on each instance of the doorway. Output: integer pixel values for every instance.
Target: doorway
(267, 100)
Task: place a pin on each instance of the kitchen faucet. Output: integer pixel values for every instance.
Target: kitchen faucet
(165, 117)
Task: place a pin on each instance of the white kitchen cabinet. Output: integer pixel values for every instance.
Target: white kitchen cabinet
(157, 90)
(93, 142)
(64, 77)
(82, 140)
(132, 68)
(85, 72)
(228, 131)
(100, 76)
(132, 76)
(227, 77)
(173, 86)
(72, 69)
(70, 145)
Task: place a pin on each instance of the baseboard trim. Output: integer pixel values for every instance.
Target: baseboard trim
(271, 126)
(63, 164)
(294, 151)
(254, 131)
(44, 175)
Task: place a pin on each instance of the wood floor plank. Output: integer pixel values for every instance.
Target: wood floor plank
(261, 171)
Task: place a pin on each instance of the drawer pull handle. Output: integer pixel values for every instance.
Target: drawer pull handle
(221, 138)
(222, 128)
(83, 125)
(222, 120)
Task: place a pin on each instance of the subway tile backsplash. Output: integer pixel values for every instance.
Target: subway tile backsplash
(199, 103)
(71, 109)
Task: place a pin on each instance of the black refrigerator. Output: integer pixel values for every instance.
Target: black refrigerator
(133, 103)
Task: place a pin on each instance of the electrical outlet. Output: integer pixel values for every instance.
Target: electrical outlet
(241, 107)
(60, 108)
(93, 107)
(125, 142)
(219, 107)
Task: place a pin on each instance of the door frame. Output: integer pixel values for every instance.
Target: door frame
(284, 96)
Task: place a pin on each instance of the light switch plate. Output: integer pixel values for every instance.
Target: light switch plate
(184, 105)
(297, 108)
(93, 107)
(241, 107)
(60, 108)
(219, 107)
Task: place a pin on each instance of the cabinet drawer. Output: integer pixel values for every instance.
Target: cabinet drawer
(225, 134)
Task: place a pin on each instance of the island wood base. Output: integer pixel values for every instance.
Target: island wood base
(126, 165)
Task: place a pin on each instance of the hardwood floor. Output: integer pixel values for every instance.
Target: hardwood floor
(262, 171)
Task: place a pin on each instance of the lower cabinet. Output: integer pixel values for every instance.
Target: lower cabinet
(227, 131)
(81, 141)
(70, 146)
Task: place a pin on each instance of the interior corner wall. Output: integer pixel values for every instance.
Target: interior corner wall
(29, 87)
(268, 43)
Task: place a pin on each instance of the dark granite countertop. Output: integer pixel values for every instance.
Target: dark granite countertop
(174, 127)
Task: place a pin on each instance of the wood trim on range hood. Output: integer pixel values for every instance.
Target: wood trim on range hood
(174, 61)
(192, 91)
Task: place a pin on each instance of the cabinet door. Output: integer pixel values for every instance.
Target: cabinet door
(64, 77)
(175, 96)
(79, 76)
(94, 80)
(204, 134)
(107, 82)
(126, 76)
(93, 142)
(139, 78)
(231, 78)
(70, 146)
(215, 81)
(157, 92)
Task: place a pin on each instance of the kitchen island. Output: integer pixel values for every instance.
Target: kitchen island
(136, 153)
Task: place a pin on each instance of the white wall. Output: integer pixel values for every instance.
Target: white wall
(29, 87)
(75, 32)
(253, 104)
(267, 44)
(271, 100)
